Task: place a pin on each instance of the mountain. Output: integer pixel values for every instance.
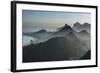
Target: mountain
(65, 28)
(41, 34)
(86, 25)
(57, 48)
(41, 31)
(64, 44)
(79, 27)
(76, 25)
(83, 33)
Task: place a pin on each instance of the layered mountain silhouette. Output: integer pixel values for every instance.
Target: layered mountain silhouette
(63, 31)
(42, 31)
(58, 48)
(65, 28)
(39, 34)
(84, 33)
(79, 27)
(64, 44)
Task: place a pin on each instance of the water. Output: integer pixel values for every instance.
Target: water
(26, 40)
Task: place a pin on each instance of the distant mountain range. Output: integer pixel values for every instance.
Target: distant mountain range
(64, 44)
(79, 27)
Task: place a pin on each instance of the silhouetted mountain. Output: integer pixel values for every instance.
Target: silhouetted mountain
(86, 25)
(41, 31)
(58, 48)
(84, 35)
(83, 32)
(41, 34)
(87, 55)
(64, 44)
(79, 27)
(65, 28)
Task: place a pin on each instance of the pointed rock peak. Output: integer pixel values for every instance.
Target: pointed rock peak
(77, 24)
(66, 27)
(66, 24)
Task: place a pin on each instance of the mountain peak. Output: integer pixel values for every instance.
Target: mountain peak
(41, 31)
(66, 27)
(66, 24)
(77, 25)
(86, 25)
(84, 32)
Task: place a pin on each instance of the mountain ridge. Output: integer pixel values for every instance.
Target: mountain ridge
(64, 44)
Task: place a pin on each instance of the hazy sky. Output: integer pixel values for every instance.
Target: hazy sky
(34, 20)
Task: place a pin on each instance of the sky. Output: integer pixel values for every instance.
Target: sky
(33, 20)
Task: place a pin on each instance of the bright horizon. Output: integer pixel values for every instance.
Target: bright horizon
(50, 20)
